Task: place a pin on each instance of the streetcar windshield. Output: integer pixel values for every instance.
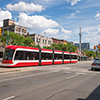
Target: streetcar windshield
(8, 54)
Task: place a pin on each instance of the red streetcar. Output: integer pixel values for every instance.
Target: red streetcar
(19, 56)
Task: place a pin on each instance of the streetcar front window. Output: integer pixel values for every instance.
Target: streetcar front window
(8, 54)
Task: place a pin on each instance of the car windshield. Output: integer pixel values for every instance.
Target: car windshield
(8, 54)
(96, 61)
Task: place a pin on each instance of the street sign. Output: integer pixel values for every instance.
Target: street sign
(94, 47)
(0, 31)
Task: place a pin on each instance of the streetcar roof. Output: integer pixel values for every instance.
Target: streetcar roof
(23, 47)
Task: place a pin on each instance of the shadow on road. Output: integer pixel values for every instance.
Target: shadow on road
(95, 95)
(96, 70)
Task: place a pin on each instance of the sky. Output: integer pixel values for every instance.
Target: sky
(60, 19)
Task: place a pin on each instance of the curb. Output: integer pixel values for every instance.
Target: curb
(10, 71)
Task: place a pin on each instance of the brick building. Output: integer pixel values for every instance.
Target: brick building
(9, 25)
(57, 41)
(41, 40)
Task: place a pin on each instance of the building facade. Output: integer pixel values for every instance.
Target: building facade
(57, 41)
(77, 44)
(9, 25)
(83, 45)
(41, 40)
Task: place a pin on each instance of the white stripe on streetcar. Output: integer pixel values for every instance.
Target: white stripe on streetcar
(22, 49)
(58, 52)
(47, 51)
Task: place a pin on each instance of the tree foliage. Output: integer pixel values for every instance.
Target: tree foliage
(64, 47)
(37, 46)
(15, 39)
(90, 53)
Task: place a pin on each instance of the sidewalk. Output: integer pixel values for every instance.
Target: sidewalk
(18, 69)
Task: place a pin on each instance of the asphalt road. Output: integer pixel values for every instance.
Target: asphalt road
(55, 82)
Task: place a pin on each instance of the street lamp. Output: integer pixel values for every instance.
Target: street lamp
(70, 52)
(80, 34)
(7, 37)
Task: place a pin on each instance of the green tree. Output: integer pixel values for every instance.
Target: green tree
(3, 40)
(90, 53)
(60, 46)
(37, 46)
(15, 39)
(28, 41)
(98, 55)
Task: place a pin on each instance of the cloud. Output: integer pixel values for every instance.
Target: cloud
(40, 24)
(26, 7)
(64, 34)
(36, 22)
(65, 31)
(97, 11)
(97, 16)
(45, 3)
(89, 28)
(88, 32)
(73, 14)
(4, 15)
(98, 31)
(73, 2)
(50, 31)
(77, 11)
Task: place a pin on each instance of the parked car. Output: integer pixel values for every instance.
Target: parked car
(95, 64)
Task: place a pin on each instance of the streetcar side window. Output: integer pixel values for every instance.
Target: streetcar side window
(17, 55)
(73, 56)
(66, 56)
(20, 55)
(46, 56)
(31, 55)
(26, 55)
(57, 56)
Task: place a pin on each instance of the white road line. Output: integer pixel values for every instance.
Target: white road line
(9, 98)
(81, 73)
(72, 76)
(67, 72)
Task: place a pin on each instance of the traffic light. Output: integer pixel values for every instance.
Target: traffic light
(94, 47)
(99, 47)
(0, 31)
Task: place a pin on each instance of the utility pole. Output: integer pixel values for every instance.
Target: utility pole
(80, 34)
(8, 37)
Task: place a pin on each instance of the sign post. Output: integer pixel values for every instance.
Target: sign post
(8, 38)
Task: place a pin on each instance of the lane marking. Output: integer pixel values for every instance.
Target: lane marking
(9, 98)
(81, 73)
(72, 76)
(67, 72)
